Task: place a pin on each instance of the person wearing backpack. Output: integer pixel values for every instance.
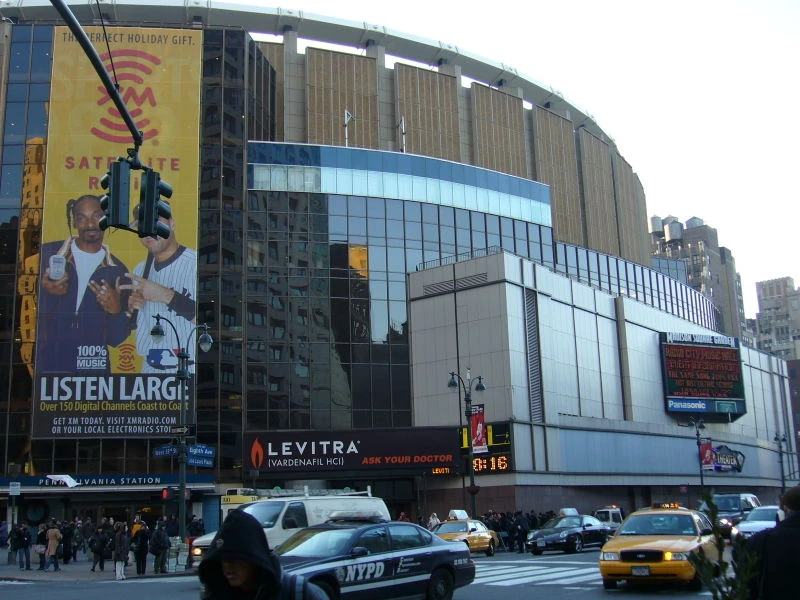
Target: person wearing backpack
(240, 566)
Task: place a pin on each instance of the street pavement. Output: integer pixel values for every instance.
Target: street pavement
(80, 570)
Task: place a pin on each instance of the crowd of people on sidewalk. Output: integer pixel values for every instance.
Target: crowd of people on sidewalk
(58, 543)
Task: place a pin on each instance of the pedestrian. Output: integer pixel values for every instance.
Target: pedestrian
(41, 543)
(173, 528)
(403, 517)
(777, 552)
(159, 547)
(53, 540)
(68, 535)
(141, 545)
(521, 528)
(20, 540)
(87, 531)
(433, 521)
(241, 565)
(98, 543)
(120, 549)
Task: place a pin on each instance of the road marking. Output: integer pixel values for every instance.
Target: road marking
(536, 574)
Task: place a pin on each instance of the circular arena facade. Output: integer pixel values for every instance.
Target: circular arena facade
(372, 212)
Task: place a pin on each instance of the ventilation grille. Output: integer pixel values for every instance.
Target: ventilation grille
(534, 359)
(444, 287)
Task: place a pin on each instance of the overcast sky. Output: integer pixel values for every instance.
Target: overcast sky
(702, 97)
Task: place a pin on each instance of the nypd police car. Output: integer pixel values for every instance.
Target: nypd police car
(365, 558)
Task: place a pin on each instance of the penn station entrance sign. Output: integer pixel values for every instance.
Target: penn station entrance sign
(415, 449)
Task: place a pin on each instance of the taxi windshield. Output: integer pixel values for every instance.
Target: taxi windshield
(658, 524)
(451, 527)
(316, 543)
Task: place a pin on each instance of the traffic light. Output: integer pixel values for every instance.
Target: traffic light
(152, 207)
(116, 202)
(168, 494)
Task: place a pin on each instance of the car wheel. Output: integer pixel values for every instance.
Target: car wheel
(609, 584)
(577, 545)
(440, 586)
(490, 549)
(326, 587)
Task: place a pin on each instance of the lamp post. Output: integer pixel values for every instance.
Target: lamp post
(699, 426)
(204, 342)
(467, 387)
(781, 440)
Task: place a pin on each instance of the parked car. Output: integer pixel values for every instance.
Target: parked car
(474, 533)
(568, 533)
(654, 545)
(363, 559)
(758, 519)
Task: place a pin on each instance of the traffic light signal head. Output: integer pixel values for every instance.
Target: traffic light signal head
(116, 201)
(152, 208)
(167, 494)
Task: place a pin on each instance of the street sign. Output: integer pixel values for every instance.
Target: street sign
(14, 488)
(179, 430)
(165, 450)
(202, 450)
(199, 461)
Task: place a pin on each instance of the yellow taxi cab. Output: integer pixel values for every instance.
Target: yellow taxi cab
(473, 532)
(653, 545)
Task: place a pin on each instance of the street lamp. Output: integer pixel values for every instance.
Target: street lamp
(781, 440)
(205, 342)
(699, 426)
(467, 387)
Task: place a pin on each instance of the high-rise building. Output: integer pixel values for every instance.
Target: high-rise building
(778, 318)
(313, 189)
(711, 268)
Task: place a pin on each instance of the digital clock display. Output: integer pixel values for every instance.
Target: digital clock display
(493, 463)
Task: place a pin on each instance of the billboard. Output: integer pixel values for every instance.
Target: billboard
(702, 374)
(98, 371)
(419, 449)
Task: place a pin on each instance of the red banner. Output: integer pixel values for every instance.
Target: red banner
(480, 444)
(707, 455)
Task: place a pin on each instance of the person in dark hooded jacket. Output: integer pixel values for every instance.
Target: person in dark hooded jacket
(240, 566)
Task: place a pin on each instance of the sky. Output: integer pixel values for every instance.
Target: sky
(702, 97)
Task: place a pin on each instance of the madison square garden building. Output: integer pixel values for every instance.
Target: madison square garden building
(353, 222)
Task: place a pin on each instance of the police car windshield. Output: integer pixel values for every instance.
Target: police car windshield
(316, 543)
(266, 512)
(658, 524)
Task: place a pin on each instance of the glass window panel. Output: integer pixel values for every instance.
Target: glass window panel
(41, 61)
(357, 226)
(377, 258)
(413, 230)
(394, 209)
(396, 260)
(430, 213)
(357, 206)
(413, 211)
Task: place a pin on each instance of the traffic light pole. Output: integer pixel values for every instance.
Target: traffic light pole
(182, 376)
(99, 68)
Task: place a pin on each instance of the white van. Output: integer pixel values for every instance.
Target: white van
(281, 516)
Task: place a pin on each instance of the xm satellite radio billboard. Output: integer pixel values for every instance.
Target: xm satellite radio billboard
(98, 371)
(702, 374)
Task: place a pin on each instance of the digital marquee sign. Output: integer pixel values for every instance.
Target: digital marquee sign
(702, 374)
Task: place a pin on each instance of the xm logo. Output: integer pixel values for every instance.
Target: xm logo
(132, 67)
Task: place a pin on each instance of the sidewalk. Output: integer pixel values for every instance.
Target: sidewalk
(79, 570)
